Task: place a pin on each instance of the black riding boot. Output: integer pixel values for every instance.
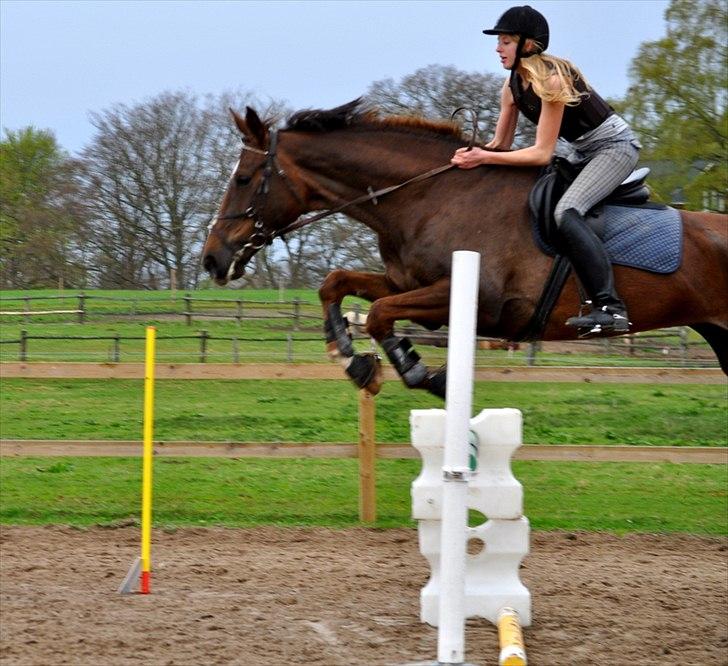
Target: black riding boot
(591, 263)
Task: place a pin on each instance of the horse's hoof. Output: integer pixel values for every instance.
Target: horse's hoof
(365, 371)
(436, 382)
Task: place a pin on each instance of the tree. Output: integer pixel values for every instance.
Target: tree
(677, 100)
(154, 174)
(41, 223)
(436, 91)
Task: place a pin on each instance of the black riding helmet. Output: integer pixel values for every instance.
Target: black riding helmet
(524, 21)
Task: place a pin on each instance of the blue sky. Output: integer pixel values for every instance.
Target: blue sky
(60, 60)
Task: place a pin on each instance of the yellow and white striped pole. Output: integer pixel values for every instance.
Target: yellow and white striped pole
(510, 637)
(147, 460)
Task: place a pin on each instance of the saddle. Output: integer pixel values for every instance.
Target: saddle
(556, 179)
(545, 194)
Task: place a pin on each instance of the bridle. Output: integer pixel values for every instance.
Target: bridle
(264, 235)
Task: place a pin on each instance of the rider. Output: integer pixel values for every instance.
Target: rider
(572, 119)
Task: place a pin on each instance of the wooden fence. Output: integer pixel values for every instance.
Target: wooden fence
(668, 347)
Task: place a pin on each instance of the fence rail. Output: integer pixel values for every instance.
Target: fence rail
(183, 307)
(668, 347)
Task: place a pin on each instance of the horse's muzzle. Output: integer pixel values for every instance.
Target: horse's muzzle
(218, 263)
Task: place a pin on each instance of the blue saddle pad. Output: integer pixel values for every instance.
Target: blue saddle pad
(645, 238)
(648, 238)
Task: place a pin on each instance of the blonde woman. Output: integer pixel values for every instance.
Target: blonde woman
(552, 93)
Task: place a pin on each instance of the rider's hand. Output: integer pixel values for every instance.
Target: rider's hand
(469, 159)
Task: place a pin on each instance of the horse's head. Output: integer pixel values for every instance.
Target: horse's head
(261, 200)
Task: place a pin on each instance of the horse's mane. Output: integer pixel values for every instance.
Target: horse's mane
(356, 115)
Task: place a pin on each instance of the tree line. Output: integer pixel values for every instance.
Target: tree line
(132, 209)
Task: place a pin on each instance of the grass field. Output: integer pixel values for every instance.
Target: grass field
(86, 491)
(248, 492)
(326, 411)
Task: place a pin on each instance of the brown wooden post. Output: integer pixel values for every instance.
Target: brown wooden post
(367, 456)
(23, 345)
(203, 346)
(26, 317)
(188, 309)
(81, 308)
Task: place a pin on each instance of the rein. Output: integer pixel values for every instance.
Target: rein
(263, 235)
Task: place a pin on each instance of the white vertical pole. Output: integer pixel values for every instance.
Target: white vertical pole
(460, 357)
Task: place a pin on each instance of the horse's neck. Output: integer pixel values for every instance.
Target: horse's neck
(346, 165)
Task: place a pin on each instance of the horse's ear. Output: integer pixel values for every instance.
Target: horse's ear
(239, 122)
(257, 128)
(251, 127)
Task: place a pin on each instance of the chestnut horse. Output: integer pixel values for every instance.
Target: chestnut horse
(349, 159)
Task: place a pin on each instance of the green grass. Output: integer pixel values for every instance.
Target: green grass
(249, 492)
(326, 411)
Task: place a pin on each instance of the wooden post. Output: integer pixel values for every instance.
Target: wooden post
(367, 455)
(188, 309)
(296, 313)
(23, 345)
(203, 346)
(117, 348)
(239, 315)
(81, 308)
(26, 317)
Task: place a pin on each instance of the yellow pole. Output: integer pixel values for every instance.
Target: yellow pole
(147, 460)
(512, 648)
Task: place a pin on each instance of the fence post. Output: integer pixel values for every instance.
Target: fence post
(23, 345)
(367, 455)
(289, 348)
(188, 309)
(236, 350)
(203, 346)
(26, 317)
(531, 353)
(81, 308)
(117, 348)
(296, 313)
(684, 345)
(239, 315)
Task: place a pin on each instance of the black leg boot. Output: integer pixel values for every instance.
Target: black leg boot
(591, 263)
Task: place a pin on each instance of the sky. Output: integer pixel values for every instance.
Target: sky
(61, 60)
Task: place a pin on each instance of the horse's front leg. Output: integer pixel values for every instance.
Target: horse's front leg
(363, 369)
(431, 304)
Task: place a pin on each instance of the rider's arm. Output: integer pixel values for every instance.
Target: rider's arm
(547, 133)
(505, 129)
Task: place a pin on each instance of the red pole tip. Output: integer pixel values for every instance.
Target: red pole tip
(146, 578)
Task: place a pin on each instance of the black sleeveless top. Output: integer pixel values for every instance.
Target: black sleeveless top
(587, 115)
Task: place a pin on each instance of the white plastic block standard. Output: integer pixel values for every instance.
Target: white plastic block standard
(494, 491)
(492, 579)
(427, 427)
(492, 575)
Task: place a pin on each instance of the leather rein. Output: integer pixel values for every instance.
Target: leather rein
(263, 235)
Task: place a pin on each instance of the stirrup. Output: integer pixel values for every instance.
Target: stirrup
(600, 321)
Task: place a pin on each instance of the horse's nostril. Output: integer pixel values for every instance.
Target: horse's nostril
(209, 264)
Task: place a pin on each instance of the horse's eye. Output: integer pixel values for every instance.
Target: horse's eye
(242, 180)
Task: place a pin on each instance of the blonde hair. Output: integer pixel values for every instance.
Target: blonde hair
(541, 68)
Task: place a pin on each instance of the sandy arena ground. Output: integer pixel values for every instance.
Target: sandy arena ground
(346, 598)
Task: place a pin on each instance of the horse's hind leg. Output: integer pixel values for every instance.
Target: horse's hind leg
(717, 337)
(363, 369)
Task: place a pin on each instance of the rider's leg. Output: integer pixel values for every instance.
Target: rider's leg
(584, 249)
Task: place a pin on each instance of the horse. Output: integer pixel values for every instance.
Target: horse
(392, 173)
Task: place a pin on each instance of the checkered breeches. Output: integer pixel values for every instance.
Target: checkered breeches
(602, 174)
